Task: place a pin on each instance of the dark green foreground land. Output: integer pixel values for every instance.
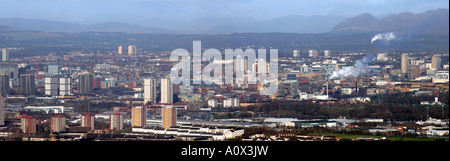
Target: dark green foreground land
(390, 138)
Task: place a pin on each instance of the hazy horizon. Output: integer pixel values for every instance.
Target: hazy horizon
(134, 11)
(212, 16)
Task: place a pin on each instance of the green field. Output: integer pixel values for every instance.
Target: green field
(391, 138)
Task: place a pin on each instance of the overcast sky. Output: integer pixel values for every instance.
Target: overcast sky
(93, 11)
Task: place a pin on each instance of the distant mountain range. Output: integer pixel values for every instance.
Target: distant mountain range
(431, 22)
(434, 22)
(55, 26)
(287, 24)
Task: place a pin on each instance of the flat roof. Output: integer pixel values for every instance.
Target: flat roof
(211, 123)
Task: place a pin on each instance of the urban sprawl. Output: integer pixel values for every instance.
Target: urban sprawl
(127, 95)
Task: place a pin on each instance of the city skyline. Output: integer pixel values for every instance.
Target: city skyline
(247, 79)
(372, 76)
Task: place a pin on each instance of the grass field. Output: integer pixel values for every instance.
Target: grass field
(391, 138)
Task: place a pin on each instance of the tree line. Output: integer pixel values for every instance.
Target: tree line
(386, 111)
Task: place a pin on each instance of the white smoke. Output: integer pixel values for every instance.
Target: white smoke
(388, 36)
(359, 68)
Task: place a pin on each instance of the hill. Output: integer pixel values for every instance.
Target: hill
(55, 26)
(434, 22)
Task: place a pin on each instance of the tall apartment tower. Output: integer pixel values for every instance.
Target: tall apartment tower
(4, 84)
(51, 85)
(5, 54)
(313, 53)
(120, 50)
(86, 84)
(169, 116)
(435, 62)
(139, 116)
(405, 63)
(65, 86)
(58, 123)
(27, 84)
(116, 121)
(296, 53)
(166, 91)
(212, 103)
(28, 124)
(2, 111)
(150, 90)
(131, 50)
(326, 53)
(88, 120)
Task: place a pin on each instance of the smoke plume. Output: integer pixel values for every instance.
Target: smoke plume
(388, 36)
(359, 68)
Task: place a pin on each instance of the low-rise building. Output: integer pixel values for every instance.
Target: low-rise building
(320, 123)
(216, 133)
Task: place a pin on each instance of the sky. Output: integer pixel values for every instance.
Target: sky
(95, 11)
